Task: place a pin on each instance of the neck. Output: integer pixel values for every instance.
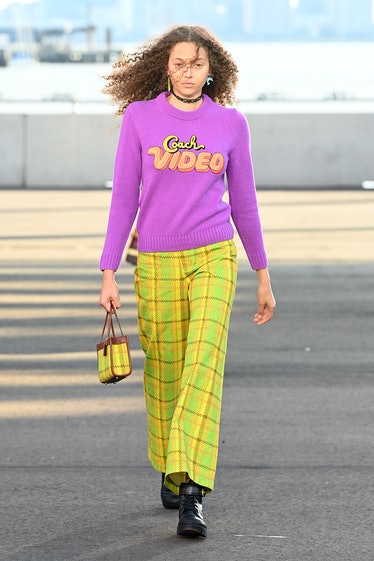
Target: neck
(186, 99)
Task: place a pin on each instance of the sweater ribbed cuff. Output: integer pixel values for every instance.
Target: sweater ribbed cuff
(258, 261)
(110, 261)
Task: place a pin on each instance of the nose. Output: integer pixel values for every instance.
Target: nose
(188, 69)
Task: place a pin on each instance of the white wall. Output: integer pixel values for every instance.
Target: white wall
(289, 149)
(12, 156)
(57, 150)
(312, 150)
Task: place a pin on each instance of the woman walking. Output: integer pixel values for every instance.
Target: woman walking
(177, 146)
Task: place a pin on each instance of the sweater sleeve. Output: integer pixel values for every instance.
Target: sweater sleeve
(125, 193)
(243, 197)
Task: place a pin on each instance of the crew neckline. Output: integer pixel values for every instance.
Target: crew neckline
(169, 109)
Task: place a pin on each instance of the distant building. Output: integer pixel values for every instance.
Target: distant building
(231, 20)
(352, 19)
(267, 19)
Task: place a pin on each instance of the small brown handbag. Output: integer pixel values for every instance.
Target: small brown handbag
(113, 352)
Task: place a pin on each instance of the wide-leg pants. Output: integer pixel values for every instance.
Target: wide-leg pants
(184, 305)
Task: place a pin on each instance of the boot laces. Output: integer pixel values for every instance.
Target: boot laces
(191, 502)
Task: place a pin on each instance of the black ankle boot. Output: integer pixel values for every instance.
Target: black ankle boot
(191, 522)
(168, 498)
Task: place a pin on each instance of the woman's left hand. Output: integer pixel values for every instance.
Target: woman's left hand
(266, 304)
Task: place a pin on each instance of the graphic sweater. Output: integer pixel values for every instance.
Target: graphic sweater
(172, 169)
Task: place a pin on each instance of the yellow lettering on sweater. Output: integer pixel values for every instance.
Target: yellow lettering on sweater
(173, 144)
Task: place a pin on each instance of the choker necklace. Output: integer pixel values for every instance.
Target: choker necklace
(186, 100)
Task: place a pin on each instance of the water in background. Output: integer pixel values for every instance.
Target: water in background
(278, 71)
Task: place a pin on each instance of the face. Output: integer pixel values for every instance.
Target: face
(188, 68)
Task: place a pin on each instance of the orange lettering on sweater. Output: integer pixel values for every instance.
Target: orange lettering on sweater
(187, 160)
(161, 159)
(217, 163)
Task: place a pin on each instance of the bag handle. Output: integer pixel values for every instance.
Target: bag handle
(108, 323)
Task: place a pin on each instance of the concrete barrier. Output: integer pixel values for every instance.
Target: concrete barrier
(312, 150)
(12, 151)
(290, 149)
(70, 150)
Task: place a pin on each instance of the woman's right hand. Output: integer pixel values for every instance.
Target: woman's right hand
(109, 294)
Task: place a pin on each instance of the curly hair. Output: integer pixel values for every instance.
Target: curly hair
(142, 75)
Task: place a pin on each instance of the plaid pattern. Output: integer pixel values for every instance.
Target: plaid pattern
(113, 359)
(184, 306)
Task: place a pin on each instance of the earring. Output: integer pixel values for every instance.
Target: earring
(169, 84)
(209, 80)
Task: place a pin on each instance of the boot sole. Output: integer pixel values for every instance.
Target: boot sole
(192, 532)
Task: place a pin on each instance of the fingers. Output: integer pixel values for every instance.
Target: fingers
(107, 303)
(263, 315)
(116, 303)
(107, 306)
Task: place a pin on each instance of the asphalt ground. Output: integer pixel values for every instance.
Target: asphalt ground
(295, 478)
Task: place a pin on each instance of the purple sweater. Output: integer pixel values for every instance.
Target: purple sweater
(170, 166)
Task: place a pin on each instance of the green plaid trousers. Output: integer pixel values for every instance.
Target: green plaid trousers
(184, 304)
